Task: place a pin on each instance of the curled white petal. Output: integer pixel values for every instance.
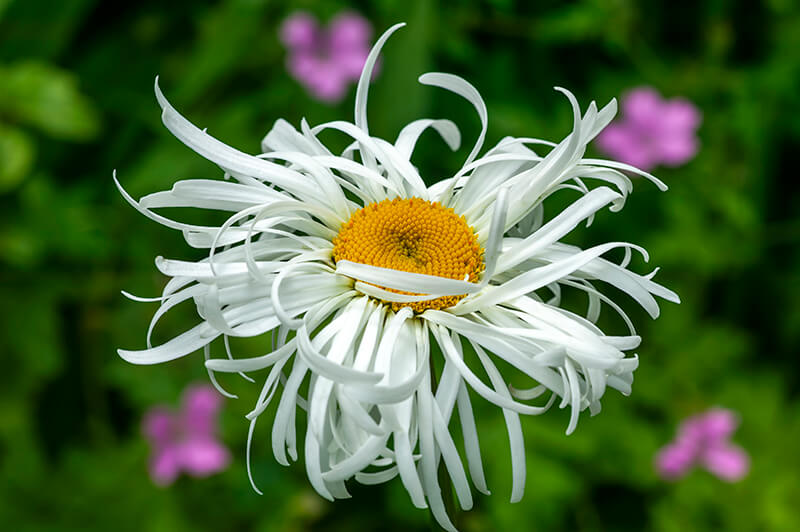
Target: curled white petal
(406, 281)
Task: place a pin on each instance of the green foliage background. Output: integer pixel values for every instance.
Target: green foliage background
(76, 102)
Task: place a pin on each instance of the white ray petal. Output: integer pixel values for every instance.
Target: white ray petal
(406, 281)
(513, 426)
(360, 115)
(409, 135)
(467, 91)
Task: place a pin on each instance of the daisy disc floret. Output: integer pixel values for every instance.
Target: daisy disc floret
(357, 275)
(412, 235)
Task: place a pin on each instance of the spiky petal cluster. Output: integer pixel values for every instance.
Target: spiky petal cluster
(372, 412)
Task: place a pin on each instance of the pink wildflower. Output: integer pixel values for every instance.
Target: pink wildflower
(703, 440)
(326, 60)
(652, 130)
(186, 440)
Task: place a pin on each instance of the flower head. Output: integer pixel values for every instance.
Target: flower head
(703, 440)
(355, 269)
(186, 440)
(652, 130)
(326, 60)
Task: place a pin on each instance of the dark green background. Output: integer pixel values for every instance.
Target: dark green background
(76, 102)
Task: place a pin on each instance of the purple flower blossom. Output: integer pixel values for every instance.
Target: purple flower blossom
(326, 60)
(186, 440)
(652, 130)
(703, 440)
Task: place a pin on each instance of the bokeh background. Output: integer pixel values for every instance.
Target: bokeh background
(76, 102)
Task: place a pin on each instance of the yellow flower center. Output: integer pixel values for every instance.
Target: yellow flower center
(412, 235)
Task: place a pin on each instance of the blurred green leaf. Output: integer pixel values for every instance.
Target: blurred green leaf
(46, 97)
(16, 156)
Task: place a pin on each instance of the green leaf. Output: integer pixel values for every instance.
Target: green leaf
(46, 97)
(16, 157)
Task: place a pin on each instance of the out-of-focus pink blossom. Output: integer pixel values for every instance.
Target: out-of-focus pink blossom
(703, 440)
(186, 440)
(326, 60)
(652, 131)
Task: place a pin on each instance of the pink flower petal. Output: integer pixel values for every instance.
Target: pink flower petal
(692, 430)
(165, 465)
(674, 150)
(680, 114)
(158, 426)
(302, 66)
(727, 461)
(203, 456)
(300, 30)
(200, 407)
(626, 144)
(327, 83)
(642, 107)
(351, 61)
(675, 460)
(348, 31)
(719, 424)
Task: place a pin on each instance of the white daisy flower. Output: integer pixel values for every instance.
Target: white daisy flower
(353, 267)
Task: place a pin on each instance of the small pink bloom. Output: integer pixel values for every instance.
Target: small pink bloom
(652, 130)
(186, 440)
(326, 60)
(703, 440)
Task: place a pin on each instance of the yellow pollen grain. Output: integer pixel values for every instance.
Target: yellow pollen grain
(412, 235)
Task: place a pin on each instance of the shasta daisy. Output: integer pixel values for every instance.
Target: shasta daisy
(355, 269)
